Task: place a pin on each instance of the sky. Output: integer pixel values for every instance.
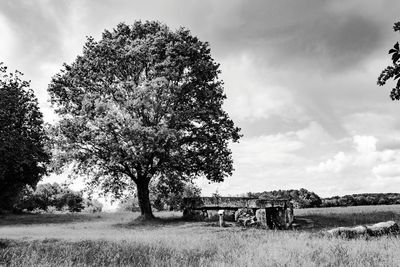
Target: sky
(300, 79)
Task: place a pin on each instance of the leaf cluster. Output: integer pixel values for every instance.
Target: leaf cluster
(393, 71)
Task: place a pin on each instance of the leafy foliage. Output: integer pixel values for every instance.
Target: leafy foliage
(142, 102)
(301, 198)
(165, 194)
(22, 137)
(92, 205)
(51, 196)
(305, 199)
(393, 72)
(362, 200)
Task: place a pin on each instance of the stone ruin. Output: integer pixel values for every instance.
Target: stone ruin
(268, 213)
(378, 229)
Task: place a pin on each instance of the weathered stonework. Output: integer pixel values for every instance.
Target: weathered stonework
(269, 213)
(378, 229)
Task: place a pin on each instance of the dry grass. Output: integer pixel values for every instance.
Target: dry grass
(350, 216)
(114, 239)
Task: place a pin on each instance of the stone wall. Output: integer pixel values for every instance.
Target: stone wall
(267, 213)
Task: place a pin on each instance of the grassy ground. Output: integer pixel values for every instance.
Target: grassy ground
(114, 239)
(350, 216)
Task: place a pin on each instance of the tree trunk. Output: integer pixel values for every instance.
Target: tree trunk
(144, 200)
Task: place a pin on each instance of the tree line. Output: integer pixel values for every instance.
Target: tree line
(303, 198)
(362, 199)
(54, 198)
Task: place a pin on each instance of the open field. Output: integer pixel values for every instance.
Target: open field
(114, 239)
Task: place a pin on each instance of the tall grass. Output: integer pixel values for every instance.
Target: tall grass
(250, 248)
(350, 216)
(115, 240)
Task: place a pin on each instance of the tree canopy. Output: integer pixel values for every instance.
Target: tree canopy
(22, 137)
(142, 102)
(393, 71)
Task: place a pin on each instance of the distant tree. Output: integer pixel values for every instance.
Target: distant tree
(301, 198)
(393, 71)
(167, 192)
(23, 153)
(51, 195)
(383, 200)
(360, 200)
(129, 203)
(92, 205)
(191, 190)
(216, 194)
(142, 102)
(252, 195)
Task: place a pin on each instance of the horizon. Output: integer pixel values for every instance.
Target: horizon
(300, 80)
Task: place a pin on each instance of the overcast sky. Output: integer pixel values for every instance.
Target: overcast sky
(300, 79)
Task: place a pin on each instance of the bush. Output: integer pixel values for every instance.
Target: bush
(92, 206)
(301, 198)
(54, 198)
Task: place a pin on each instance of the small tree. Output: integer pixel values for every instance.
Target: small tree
(23, 154)
(393, 72)
(167, 192)
(143, 102)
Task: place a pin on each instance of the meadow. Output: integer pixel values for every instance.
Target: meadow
(116, 239)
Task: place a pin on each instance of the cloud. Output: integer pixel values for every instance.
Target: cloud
(35, 26)
(387, 170)
(308, 34)
(364, 154)
(276, 161)
(362, 168)
(337, 164)
(365, 144)
(251, 95)
(8, 40)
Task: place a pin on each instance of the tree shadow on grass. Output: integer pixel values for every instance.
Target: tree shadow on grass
(33, 219)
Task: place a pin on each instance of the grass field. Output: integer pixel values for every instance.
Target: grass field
(115, 239)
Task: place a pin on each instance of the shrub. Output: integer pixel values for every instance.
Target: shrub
(53, 197)
(92, 206)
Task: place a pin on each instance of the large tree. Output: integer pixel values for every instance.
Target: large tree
(23, 153)
(393, 71)
(142, 102)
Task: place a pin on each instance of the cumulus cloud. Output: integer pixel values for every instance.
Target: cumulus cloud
(364, 154)
(386, 170)
(275, 161)
(362, 163)
(336, 164)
